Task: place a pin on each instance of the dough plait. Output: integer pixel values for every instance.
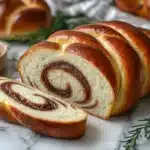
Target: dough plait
(102, 68)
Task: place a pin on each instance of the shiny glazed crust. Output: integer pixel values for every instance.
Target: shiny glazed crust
(117, 49)
(53, 129)
(128, 66)
(58, 129)
(97, 58)
(140, 43)
(31, 15)
(137, 7)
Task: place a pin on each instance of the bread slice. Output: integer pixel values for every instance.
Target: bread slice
(74, 70)
(126, 61)
(39, 111)
(102, 68)
(140, 43)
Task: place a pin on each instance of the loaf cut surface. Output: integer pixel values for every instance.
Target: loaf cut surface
(75, 75)
(127, 66)
(39, 111)
(102, 68)
(140, 43)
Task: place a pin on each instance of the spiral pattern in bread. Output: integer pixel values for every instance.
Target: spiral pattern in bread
(119, 54)
(68, 74)
(102, 68)
(41, 112)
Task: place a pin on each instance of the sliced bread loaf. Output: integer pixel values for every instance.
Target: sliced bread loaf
(39, 111)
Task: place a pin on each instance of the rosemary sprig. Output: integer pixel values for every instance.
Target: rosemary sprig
(137, 131)
(59, 22)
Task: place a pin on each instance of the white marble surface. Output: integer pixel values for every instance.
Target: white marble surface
(100, 134)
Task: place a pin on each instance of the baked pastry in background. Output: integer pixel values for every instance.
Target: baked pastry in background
(102, 68)
(39, 111)
(137, 7)
(18, 17)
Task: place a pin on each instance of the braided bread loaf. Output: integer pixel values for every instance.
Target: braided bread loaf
(20, 16)
(42, 113)
(102, 68)
(137, 7)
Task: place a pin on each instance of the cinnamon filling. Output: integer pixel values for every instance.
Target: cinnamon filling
(32, 84)
(72, 70)
(92, 106)
(49, 104)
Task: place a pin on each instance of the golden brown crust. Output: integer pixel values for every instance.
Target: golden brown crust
(31, 15)
(131, 63)
(44, 44)
(53, 129)
(145, 31)
(72, 36)
(86, 46)
(98, 59)
(132, 67)
(4, 114)
(137, 7)
(140, 43)
(128, 42)
(65, 130)
(75, 36)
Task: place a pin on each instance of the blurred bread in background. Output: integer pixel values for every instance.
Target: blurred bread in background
(21, 16)
(137, 7)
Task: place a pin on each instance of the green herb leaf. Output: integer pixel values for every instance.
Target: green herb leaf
(137, 131)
